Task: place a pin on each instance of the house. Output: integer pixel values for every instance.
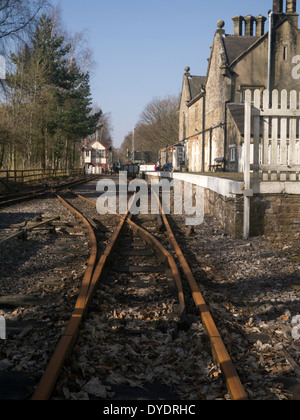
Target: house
(173, 154)
(95, 157)
(212, 107)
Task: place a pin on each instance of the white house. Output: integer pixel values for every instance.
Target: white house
(95, 157)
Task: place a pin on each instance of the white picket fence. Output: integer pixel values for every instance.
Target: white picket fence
(272, 124)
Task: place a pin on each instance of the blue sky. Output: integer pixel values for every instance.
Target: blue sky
(142, 47)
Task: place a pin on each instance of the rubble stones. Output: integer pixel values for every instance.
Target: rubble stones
(250, 289)
(35, 324)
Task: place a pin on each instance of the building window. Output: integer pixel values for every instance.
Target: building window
(285, 53)
(180, 154)
(232, 153)
(87, 153)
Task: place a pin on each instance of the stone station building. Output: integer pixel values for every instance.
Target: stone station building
(253, 73)
(212, 106)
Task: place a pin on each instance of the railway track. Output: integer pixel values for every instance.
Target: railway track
(13, 198)
(134, 267)
(43, 260)
(137, 285)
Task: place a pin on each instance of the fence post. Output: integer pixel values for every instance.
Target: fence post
(247, 179)
(256, 134)
(2, 328)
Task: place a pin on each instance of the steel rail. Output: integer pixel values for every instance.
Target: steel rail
(31, 195)
(163, 253)
(22, 197)
(23, 231)
(68, 339)
(89, 284)
(219, 350)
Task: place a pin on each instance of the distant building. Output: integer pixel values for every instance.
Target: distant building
(95, 157)
(212, 106)
(174, 154)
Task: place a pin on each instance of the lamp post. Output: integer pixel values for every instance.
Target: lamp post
(133, 146)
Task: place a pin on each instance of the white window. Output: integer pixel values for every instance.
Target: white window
(180, 154)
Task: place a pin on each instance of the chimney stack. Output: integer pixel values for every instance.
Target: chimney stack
(249, 24)
(238, 25)
(277, 6)
(291, 6)
(260, 25)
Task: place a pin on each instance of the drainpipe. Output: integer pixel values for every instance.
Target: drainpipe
(210, 147)
(270, 51)
(203, 131)
(225, 135)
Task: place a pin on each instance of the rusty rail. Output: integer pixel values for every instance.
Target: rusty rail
(164, 255)
(23, 231)
(30, 195)
(68, 339)
(90, 282)
(219, 350)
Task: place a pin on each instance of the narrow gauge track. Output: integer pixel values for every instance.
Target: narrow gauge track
(127, 230)
(96, 272)
(218, 348)
(10, 199)
(39, 281)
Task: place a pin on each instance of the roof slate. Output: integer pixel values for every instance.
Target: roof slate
(237, 45)
(195, 84)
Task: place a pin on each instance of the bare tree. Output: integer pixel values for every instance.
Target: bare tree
(17, 16)
(126, 148)
(80, 51)
(158, 124)
(106, 130)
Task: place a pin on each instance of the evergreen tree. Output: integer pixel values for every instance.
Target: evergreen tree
(50, 101)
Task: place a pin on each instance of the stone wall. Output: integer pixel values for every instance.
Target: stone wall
(275, 214)
(228, 211)
(271, 214)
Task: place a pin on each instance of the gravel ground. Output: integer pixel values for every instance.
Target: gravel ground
(130, 348)
(253, 290)
(45, 271)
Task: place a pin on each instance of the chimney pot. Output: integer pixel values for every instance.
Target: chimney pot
(260, 25)
(249, 25)
(238, 25)
(277, 6)
(291, 6)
